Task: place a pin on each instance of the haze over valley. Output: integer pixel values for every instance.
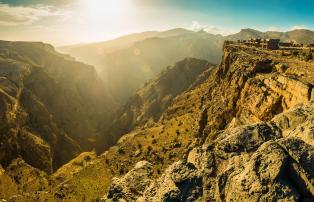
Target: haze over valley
(156, 100)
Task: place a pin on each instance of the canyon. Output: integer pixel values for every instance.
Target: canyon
(195, 132)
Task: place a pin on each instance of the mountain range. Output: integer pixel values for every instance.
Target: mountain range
(146, 54)
(51, 105)
(163, 116)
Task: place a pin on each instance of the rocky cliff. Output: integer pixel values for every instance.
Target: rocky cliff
(50, 105)
(253, 136)
(150, 101)
(302, 36)
(242, 131)
(128, 62)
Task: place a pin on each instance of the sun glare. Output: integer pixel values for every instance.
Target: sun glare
(101, 10)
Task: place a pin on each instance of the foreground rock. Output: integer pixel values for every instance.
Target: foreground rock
(268, 161)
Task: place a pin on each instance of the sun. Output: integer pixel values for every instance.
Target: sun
(106, 9)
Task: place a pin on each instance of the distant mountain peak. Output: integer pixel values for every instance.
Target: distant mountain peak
(250, 30)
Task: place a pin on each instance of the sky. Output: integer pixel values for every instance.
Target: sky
(63, 22)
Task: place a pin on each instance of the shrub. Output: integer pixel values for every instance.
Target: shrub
(87, 158)
(121, 151)
(164, 149)
(149, 148)
(177, 132)
(308, 56)
(177, 145)
(295, 53)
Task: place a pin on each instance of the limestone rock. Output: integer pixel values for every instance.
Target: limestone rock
(282, 68)
(132, 185)
(50, 105)
(261, 178)
(181, 182)
(248, 163)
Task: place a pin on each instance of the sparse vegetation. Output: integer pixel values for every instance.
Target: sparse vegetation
(121, 151)
(178, 132)
(210, 109)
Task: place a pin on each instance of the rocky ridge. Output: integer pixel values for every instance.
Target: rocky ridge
(243, 130)
(254, 137)
(264, 161)
(150, 101)
(50, 105)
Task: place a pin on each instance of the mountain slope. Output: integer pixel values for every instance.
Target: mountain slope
(127, 63)
(302, 36)
(252, 136)
(239, 132)
(142, 56)
(51, 105)
(150, 101)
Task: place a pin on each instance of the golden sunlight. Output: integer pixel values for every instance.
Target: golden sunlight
(100, 10)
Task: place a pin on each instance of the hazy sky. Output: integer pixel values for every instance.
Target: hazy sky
(63, 22)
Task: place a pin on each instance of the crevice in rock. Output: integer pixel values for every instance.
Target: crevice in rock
(191, 189)
(291, 176)
(202, 123)
(309, 92)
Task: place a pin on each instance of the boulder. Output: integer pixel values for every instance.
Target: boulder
(132, 185)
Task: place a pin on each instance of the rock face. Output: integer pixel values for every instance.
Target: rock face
(254, 135)
(133, 184)
(50, 105)
(145, 55)
(242, 131)
(254, 162)
(147, 105)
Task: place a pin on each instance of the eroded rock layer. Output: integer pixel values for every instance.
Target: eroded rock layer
(243, 131)
(254, 136)
(50, 105)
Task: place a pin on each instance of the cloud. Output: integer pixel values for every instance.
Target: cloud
(36, 2)
(20, 15)
(196, 26)
(299, 27)
(288, 28)
(274, 29)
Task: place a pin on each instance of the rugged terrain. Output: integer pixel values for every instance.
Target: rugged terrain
(128, 62)
(146, 54)
(302, 36)
(254, 136)
(242, 130)
(51, 106)
(150, 101)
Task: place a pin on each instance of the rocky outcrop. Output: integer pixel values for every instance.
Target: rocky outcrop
(149, 102)
(265, 161)
(253, 125)
(181, 181)
(291, 90)
(242, 131)
(132, 185)
(143, 56)
(51, 106)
